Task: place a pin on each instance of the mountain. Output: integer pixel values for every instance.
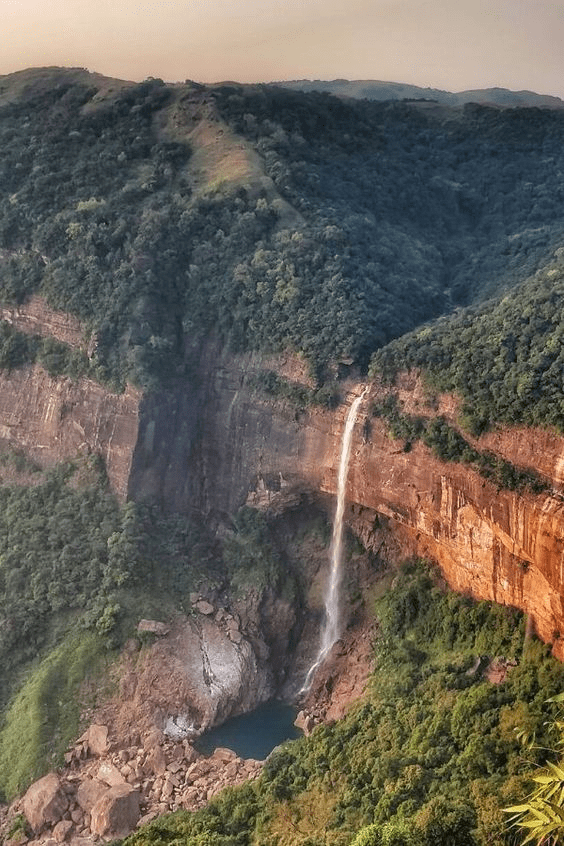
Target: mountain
(372, 89)
(195, 284)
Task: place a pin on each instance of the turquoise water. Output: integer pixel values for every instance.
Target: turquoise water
(253, 735)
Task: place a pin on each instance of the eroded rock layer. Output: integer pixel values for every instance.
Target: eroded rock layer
(213, 442)
(236, 445)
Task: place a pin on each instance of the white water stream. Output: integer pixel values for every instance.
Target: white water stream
(331, 627)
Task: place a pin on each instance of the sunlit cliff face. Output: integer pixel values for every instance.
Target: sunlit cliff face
(212, 444)
(494, 544)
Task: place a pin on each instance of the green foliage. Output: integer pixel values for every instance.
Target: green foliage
(429, 757)
(448, 444)
(53, 560)
(76, 574)
(504, 359)
(43, 717)
(251, 560)
(273, 385)
(69, 556)
(18, 829)
(406, 199)
(383, 203)
(56, 357)
(541, 815)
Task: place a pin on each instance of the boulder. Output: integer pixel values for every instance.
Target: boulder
(155, 762)
(109, 774)
(305, 722)
(97, 740)
(153, 626)
(62, 830)
(204, 607)
(117, 812)
(45, 802)
(152, 739)
(90, 791)
(223, 755)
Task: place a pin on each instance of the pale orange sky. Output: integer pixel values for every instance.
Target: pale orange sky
(451, 44)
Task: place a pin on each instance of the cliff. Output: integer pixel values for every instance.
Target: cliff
(209, 444)
(217, 446)
(54, 419)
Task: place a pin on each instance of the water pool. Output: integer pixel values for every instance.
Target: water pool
(253, 735)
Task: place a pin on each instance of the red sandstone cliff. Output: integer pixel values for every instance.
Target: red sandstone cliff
(55, 419)
(213, 444)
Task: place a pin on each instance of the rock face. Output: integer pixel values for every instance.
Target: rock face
(211, 444)
(194, 678)
(220, 445)
(53, 419)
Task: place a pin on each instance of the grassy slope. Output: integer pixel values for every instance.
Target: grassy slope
(43, 718)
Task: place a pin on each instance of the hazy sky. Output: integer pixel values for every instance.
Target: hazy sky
(451, 44)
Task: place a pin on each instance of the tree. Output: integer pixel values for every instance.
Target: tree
(541, 817)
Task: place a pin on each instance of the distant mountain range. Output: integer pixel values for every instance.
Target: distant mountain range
(373, 89)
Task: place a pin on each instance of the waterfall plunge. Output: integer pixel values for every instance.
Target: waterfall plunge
(331, 626)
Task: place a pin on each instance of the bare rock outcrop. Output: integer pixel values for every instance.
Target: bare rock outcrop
(79, 806)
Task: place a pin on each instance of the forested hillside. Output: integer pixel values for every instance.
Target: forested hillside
(404, 213)
(428, 757)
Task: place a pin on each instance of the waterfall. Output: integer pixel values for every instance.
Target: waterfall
(331, 627)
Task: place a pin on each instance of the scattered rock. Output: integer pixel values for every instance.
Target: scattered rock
(116, 813)
(109, 774)
(45, 802)
(175, 766)
(154, 627)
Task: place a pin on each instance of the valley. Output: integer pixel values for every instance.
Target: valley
(202, 288)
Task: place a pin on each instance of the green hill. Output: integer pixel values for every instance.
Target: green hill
(350, 223)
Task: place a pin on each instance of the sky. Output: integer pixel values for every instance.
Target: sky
(449, 44)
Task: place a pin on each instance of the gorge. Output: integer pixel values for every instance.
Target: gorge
(211, 446)
(225, 309)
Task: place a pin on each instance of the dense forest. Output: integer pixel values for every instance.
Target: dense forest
(403, 213)
(77, 572)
